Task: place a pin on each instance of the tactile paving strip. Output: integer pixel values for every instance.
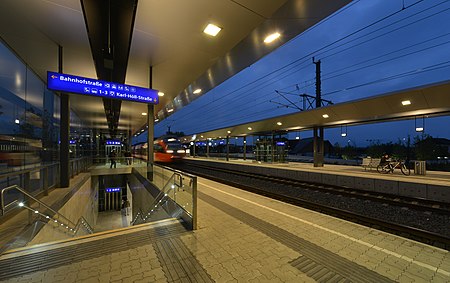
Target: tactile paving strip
(316, 271)
(34, 262)
(178, 263)
(341, 266)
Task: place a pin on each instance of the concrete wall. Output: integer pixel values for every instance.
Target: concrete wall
(84, 203)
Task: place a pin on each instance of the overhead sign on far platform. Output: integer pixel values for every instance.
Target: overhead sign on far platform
(92, 87)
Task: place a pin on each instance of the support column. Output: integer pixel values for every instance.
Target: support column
(150, 131)
(207, 148)
(245, 148)
(318, 147)
(272, 148)
(228, 148)
(64, 130)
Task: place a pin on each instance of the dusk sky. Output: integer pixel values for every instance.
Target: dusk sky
(368, 48)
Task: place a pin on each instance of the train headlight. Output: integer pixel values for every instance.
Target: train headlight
(169, 151)
(181, 151)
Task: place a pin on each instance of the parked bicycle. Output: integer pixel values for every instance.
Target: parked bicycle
(391, 165)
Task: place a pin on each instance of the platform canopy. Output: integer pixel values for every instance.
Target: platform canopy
(119, 40)
(426, 101)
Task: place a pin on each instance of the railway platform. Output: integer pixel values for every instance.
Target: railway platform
(241, 237)
(435, 185)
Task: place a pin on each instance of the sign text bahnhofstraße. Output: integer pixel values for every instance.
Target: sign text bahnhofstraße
(80, 85)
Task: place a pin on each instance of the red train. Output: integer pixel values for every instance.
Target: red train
(166, 150)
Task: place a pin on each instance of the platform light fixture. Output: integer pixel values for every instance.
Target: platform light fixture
(325, 116)
(170, 110)
(212, 29)
(250, 128)
(144, 114)
(406, 102)
(17, 121)
(420, 127)
(229, 132)
(297, 138)
(197, 91)
(279, 123)
(160, 93)
(271, 37)
(343, 131)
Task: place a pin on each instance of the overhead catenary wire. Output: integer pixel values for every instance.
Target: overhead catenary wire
(397, 76)
(258, 84)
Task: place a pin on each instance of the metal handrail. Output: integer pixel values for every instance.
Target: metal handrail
(83, 221)
(139, 213)
(74, 228)
(157, 200)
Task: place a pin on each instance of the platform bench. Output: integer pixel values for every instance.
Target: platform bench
(370, 163)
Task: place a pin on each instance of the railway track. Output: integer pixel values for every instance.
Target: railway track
(418, 219)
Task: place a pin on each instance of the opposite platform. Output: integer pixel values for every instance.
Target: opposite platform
(433, 186)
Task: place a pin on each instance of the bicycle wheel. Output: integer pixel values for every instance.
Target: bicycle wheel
(383, 169)
(405, 170)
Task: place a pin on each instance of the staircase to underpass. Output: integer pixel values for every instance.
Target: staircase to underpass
(27, 260)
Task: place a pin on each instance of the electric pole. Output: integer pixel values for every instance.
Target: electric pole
(318, 131)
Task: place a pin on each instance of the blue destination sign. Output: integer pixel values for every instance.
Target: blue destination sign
(91, 87)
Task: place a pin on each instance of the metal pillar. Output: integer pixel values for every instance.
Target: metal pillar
(207, 148)
(228, 148)
(245, 148)
(64, 129)
(272, 148)
(318, 147)
(318, 137)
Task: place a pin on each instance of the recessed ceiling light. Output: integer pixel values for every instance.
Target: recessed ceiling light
(160, 93)
(198, 90)
(249, 128)
(325, 116)
(279, 123)
(212, 29)
(229, 132)
(271, 37)
(144, 114)
(170, 110)
(406, 102)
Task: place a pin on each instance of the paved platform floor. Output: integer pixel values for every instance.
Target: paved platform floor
(243, 237)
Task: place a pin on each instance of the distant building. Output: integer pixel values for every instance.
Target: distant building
(443, 143)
